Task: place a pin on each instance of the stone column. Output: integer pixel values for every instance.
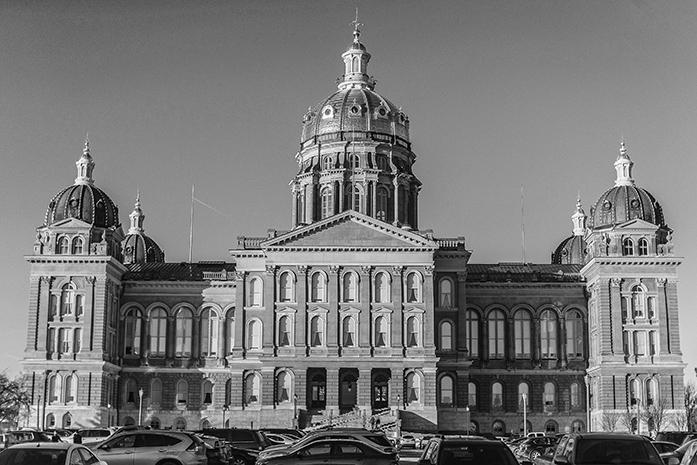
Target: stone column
(333, 390)
(395, 183)
(484, 338)
(509, 353)
(663, 317)
(39, 298)
(94, 313)
(294, 205)
(333, 313)
(562, 341)
(238, 340)
(171, 332)
(196, 337)
(427, 298)
(268, 316)
(672, 328)
(374, 201)
(220, 349)
(614, 331)
(300, 323)
(310, 202)
(536, 342)
(397, 332)
(459, 300)
(364, 317)
(341, 196)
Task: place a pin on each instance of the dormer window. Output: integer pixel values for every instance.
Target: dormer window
(63, 247)
(627, 247)
(77, 246)
(643, 247)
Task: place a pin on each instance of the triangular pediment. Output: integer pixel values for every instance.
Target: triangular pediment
(635, 224)
(350, 230)
(71, 223)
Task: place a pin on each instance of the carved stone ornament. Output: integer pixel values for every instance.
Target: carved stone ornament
(462, 276)
(270, 269)
(238, 275)
(90, 279)
(429, 270)
(616, 282)
(334, 269)
(397, 269)
(365, 269)
(302, 269)
(45, 280)
(661, 282)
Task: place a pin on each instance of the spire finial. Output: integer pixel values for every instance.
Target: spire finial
(86, 148)
(85, 165)
(137, 216)
(578, 219)
(623, 148)
(356, 26)
(623, 166)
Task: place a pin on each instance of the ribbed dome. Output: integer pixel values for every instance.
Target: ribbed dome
(354, 109)
(572, 250)
(620, 204)
(84, 202)
(139, 248)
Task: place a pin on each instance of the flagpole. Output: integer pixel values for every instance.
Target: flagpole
(191, 226)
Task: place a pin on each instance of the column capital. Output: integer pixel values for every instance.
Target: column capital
(616, 282)
(302, 269)
(333, 269)
(238, 275)
(397, 270)
(661, 282)
(271, 269)
(365, 269)
(462, 276)
(429, 270)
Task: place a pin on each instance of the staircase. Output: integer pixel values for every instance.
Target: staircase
(383, 420)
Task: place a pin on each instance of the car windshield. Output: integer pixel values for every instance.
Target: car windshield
(615, 451)
(475, 454)
(33, 457)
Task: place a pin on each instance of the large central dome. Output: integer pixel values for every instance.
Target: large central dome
(355, 110)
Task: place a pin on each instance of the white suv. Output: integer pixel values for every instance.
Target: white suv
(150, 447)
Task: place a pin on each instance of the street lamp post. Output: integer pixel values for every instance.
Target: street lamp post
(638, 416)
(525, 414)
(295, 411)
(140, 406)
(38, 411)
(467, 420)
(226, 407)
(588, 402)
(399, 420)
(108, 415)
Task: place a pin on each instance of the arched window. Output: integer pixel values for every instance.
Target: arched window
(155, 392)
(183, 332)
(179, 424)
(286, 284)
(413, 388)
(132, 332)
(284, 387)
(130, 393)
(350, 287)
(497, 395)
(634, 392)
(182, 393)
(256, 290)
(577, 426)
(254, 335)
(354, 195)
(327, 200)
(158, 331)
(318, 287)
(252, 388)
(382, 202)
(354, 65)
(651, 307)
(575, 392)
(548, 334)
(155, 423)
(209, 332)
(574, 334)
(67, 299)
(381, 332)
(348, 332)
(51, 420)
(446, 335)
(651, 392)
(413, 332)
(284, 331)
(207, 392)
(63, 246)
(77, 340)
(446, 391)
(643, 246)
(652, 343)
(521, 331)
(327, 164)
(497, 322)
(551, 427)
(445, 293)
(523, 391)
(55, 386)
(316, 331)
(472, 333)
(638, 296)
(498, 428)
(67, 421)
(627, 246)
(70, 389)
(472, 395)
(382, 288)
(414, 287)
(640, 343)
(77, 245)
(549, 396)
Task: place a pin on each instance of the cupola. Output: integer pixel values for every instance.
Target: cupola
(137, 246)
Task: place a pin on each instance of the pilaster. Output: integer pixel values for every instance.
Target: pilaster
(397, 318)
(366, 277)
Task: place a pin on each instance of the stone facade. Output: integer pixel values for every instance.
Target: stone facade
(355, 310)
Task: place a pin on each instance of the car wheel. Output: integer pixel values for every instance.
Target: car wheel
(237, 460)
(534, 454)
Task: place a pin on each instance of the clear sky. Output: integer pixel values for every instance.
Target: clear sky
(499, 93)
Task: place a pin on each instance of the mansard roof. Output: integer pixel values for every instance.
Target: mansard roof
(523, 272)
(201, 271)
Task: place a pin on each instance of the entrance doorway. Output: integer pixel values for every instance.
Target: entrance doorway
(348, 389)
(380, 385)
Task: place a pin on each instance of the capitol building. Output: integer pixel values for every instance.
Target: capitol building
(357, 310)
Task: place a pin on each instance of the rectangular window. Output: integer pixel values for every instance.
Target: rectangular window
(63, 341)
(496, 339)
(522, 338)
(640, 343)
(472, 336)
(652, 342)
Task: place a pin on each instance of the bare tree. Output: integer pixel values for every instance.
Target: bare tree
(690, 406)
(609, 419)
(655, 415)
(627, 419)
(13, 398)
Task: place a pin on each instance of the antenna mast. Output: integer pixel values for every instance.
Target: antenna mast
(191, 226)
(522, 222)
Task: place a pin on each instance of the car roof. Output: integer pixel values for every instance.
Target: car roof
(627, 436)
(470, 440)
(44, 445)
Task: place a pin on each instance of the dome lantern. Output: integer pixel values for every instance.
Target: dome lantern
(579, 218)
(137, 217)
(85, 165)
(623, 167)
(137, 246)
(356, 60)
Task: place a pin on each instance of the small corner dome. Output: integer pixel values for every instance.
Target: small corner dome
(85, 202)
(571, 251)
(139, 248)
(620, 204)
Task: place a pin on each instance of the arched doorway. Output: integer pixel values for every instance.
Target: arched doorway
(67, 421)
(348, 389)
(316, 389)
(380, 397)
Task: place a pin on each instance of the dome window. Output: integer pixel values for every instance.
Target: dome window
(382, 112)
(328, 112)
(607, 205)
(355, 111)
(634, 203)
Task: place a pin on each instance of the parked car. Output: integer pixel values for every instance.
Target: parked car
(466, 450)
(152, 447)
(242, 438)
(690, 457)
(664, 446)
(90, 435)
(605, 448)
(53, 453)
(344, 451)
(407, 441)
(678, 437)
(533, 445)
(20, 436)
(287, 431)
(377, 438)
(677, 453)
